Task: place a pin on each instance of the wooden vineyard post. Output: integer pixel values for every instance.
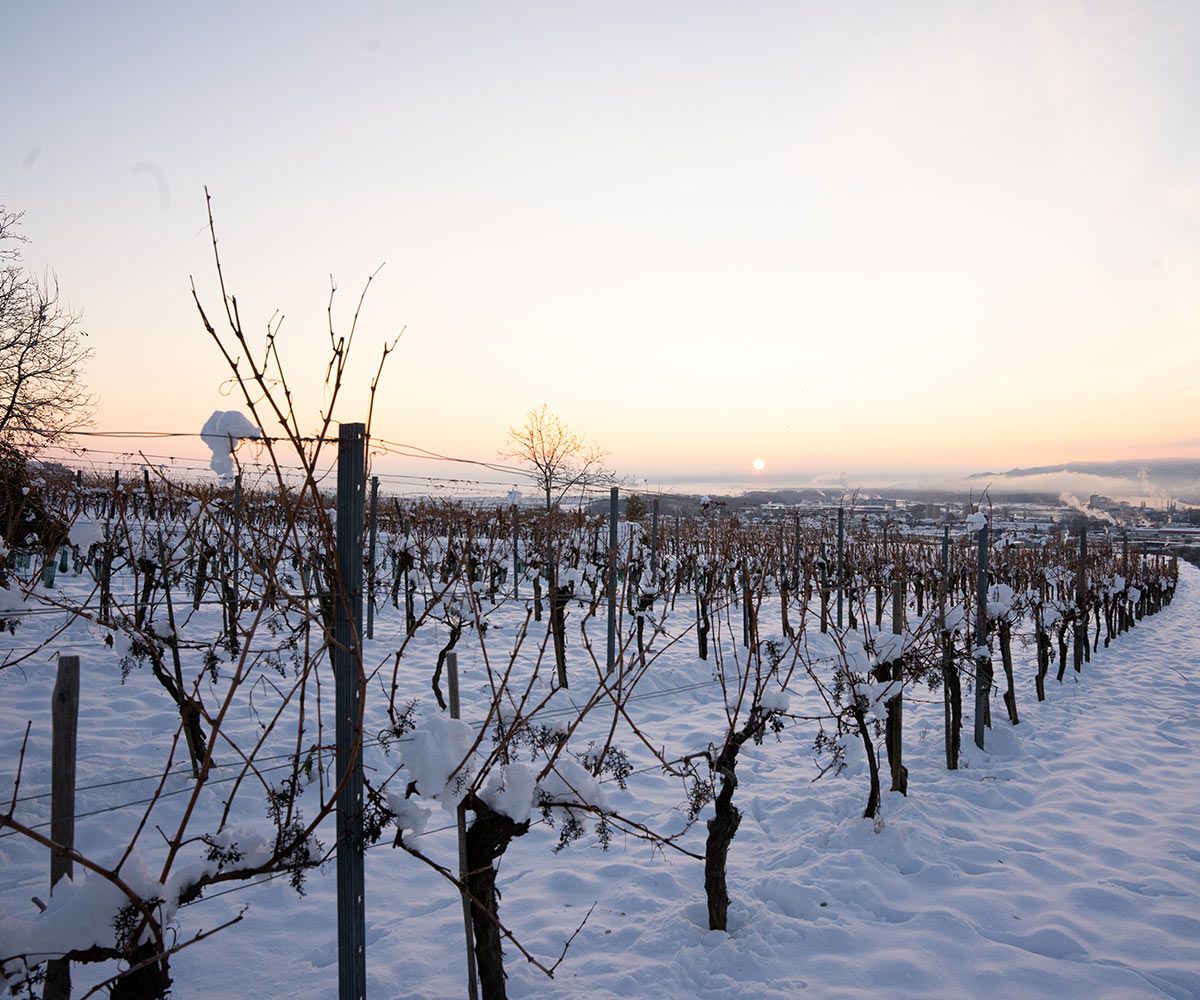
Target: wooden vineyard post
(951, 690)
(347, 669)
(613, 500)
(371, 557)
(796, 551)
(1081, 599)
(150, 511)
(107, 556)
(1139, 556)
(106, 578)
(840, 561)
(235, 559)
(654, 542)
(204, 553)
(537, 577)
(64, 715)
(895, 705)
(455, 713)
(983, 662)
(784, 585)
(823, 567)
(745, 608)
(516, 525)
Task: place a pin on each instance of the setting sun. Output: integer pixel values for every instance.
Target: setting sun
(759, 465)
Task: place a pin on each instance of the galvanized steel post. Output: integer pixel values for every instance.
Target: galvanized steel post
(371, 558)
(613, 500)
(654, 541)
(348, 674)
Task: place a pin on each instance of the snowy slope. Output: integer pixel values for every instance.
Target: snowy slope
(1064, 862)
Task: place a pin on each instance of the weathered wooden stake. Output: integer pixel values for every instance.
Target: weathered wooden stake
(823, 567)
(455, 709)
(516, 553)
(654, 541)
(840, 562)
(150, 509)
(745, 609)
(983, 662)
(235, 557)
(895, 705)
(1081, 599)
(64, 721)
(951, 690)
(106, 563)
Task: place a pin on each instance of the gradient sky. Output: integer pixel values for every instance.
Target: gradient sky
(915, 236)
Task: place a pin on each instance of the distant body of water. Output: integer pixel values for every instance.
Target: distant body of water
(735, 488)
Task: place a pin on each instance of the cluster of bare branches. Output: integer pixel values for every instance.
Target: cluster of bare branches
(560, 459)
(43, 350)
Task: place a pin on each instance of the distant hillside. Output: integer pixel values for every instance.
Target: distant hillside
(1178, 478)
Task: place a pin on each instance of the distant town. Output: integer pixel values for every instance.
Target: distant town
(1153, 525)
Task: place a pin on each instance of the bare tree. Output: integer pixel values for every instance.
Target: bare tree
(42, 350)
(559, 458)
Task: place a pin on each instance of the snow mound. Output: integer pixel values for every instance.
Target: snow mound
(221, 432)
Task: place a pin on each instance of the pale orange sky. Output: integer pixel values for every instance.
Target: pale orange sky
(940, 237)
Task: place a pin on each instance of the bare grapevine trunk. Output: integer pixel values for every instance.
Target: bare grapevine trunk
(558, 627)
(721, 830)
(644, 607)
(824, 602)
(488, 838)
(894, 726)
(1010, 695)
(1043, 657)
(726, 820)
(1062, 648)
(702, 624)
(455, 634)
(864, 732)
(952, 693)
(150, 982)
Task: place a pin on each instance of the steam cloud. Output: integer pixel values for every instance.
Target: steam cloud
(1073, 501)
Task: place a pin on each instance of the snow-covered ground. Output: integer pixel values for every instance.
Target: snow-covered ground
(1063, 862)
